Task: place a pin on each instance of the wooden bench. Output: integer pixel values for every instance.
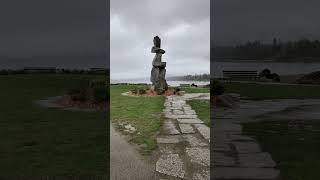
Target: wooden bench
(240, 75)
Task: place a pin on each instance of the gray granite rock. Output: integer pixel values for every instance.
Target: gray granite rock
(186, 128)
(256, 160)
(193, 141)
(204, 131)
(177, 112)
(170, 128)
(247, 147)
(191, 112)
(232, 173)
(221, 159)
(234, 137)
(221, 148)
(158, 71)
(169, 139)
(182, 116)
(190, 121)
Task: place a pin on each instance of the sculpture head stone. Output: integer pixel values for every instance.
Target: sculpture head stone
(157, 41)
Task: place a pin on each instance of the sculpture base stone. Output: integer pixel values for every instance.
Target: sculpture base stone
(159, 83)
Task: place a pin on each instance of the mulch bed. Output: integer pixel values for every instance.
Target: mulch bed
(67, 102)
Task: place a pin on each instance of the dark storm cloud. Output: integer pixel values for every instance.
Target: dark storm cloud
(61, 28)
(236, 21)
(183, 26)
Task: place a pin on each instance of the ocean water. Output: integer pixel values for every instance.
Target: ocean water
(170, 83)
(281, 68)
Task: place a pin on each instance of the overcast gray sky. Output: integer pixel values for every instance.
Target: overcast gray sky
(184, 29)
(236, 21)
(67, 33)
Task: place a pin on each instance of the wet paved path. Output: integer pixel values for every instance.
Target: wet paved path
(125, 162)
(239, 157)
(184, 141)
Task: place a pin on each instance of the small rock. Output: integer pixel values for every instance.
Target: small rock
(129, 128)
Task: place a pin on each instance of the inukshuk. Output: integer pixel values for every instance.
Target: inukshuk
(158, 72)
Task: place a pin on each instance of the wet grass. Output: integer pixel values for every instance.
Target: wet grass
(202, 108)
(271, 91)
(41, 142)
(143, 113)
(296, 150)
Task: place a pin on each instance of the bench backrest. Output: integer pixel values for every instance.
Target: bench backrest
(240, 74)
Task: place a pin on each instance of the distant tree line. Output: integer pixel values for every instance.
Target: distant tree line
(53, 71)
(301, 49)
(196, 77)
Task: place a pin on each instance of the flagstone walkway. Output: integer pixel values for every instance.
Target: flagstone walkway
(184, 141)
(239, 157)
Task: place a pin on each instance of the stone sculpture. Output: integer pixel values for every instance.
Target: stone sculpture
(158, 72)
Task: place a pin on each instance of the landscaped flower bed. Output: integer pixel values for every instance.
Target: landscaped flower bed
(94, 95)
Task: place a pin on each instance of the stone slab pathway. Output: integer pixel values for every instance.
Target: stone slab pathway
(239, 157)
(184, 141)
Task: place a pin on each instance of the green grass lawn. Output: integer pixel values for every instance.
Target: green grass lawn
(37, 141)
(268, 91)
(202, 108)
(295, 150)
(144, 113)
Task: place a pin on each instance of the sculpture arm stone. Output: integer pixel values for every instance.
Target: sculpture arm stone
(157, 50)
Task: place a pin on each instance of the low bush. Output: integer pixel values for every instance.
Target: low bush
(78, 95)
(217, 88)
(160, 90)
(177, 89)
(97, 83)
(100, 94)
(140, 90)
(4, 72)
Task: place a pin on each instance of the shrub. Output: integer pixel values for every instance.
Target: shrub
(3, 72)
(160, 91)
(177, 89)
(217, 88)
(73, 91)
(79, 95)
(98, 83)
(142, 90)
(100, 94)
(139, 90)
